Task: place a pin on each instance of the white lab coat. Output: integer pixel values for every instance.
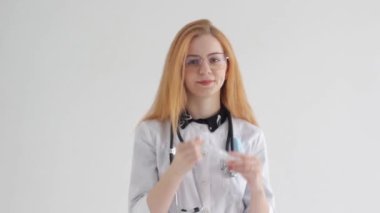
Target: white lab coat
(206, 185)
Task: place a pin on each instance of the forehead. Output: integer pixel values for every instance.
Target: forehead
(204, 44)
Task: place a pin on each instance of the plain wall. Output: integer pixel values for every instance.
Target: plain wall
(77, 76)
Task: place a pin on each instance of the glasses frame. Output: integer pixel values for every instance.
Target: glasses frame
(197, 67)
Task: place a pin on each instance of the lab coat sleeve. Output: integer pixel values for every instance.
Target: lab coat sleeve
(259, 150)
(144, 173)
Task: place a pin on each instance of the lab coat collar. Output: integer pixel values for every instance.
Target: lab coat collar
(213, 122)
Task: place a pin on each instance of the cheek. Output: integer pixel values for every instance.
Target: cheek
(222, 77)
(188, 80)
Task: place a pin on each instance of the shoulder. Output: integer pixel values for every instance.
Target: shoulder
(244, 127)
(149, 124)
(249, 134)
(150, 128)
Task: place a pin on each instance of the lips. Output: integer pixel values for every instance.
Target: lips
(205, 82)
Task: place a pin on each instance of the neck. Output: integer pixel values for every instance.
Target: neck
(203, 107)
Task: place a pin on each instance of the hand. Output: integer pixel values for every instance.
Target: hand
(187, 155)
(249, 167)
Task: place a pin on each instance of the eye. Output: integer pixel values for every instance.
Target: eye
(192, 61)
(215, 59)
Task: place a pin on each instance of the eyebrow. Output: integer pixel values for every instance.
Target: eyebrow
(207, 54)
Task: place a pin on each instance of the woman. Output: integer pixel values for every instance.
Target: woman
(201, 113)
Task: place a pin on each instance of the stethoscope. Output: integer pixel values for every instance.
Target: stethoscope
(223, 166)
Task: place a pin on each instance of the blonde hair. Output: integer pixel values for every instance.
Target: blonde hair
(171, 96)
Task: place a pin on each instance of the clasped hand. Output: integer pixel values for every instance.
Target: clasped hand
(187, 155)
(248, 166)
(190, 153)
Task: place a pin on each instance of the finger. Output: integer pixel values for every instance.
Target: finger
(198, 141)
(196, 148)
(191, 154)
(245, 163)
(243, 169)
(236, 155)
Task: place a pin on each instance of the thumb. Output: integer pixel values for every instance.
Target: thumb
(198, 141)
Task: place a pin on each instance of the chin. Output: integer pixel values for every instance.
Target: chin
(205, 94)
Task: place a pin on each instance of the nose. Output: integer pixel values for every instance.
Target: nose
(204, 68)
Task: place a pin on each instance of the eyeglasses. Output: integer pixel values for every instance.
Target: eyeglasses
(216, 61)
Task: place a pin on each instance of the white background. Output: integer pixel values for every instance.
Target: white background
(77, 76)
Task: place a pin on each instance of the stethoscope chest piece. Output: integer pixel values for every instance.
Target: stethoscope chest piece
(227, 173)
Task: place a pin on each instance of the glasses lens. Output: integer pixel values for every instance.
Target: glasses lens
(193, 61)
(217, 60)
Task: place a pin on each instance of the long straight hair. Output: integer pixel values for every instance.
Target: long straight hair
(171, 97)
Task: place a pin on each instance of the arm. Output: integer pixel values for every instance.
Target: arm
(144, 173)
(253, 166)
(162, 194)
(147, 191)
(250, 168)
(259, 203)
